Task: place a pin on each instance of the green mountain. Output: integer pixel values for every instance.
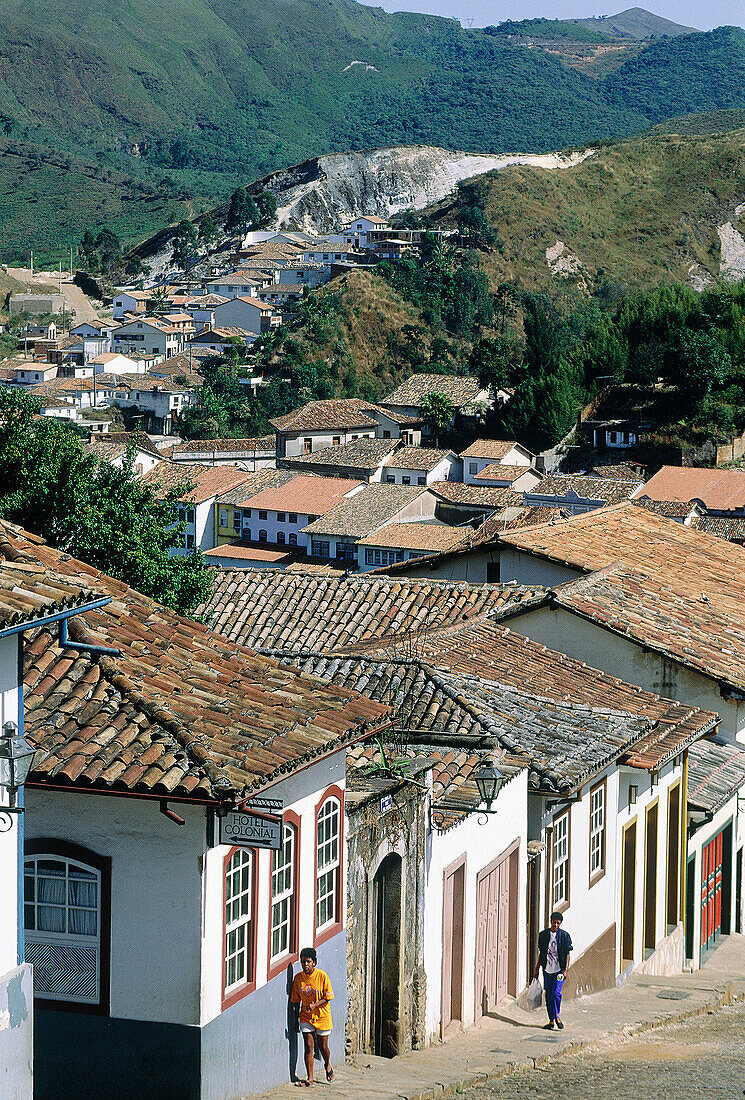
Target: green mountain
(212, 91)
(633, 23)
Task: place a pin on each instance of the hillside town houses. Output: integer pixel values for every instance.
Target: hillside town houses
(434, 694)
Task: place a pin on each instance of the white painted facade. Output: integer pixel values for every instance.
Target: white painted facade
(472, 466)
(265, 525)
(481, 844)
(448, 469)
(291, 444)
(199, 530)
(35, 373)
(139, 338)
(246, 313)
(595, 901)
(167, 929)
(163, 404)
(128, 302)
(389, 428)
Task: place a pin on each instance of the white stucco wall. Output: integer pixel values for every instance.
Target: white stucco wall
(156, 894)
(482, 844)
(526, 569)
(293, 444)
(300, 793)
(449, 469)
(594, 908)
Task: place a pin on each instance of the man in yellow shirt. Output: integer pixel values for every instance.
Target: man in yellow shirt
(311, 994)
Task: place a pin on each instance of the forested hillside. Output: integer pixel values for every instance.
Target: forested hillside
(205, 92)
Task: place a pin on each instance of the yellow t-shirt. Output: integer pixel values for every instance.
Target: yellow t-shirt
(306, 990)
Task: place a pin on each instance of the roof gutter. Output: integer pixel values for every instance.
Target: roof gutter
(58, 616)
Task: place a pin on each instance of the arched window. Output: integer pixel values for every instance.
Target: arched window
(240, 924)
(328, 865)
(284, 897)
(66, 915)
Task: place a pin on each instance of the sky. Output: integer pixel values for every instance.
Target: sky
(702, 15)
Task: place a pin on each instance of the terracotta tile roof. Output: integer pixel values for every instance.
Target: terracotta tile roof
(703, 629)
(336, 413)
(141, 439)
(673, 509)
(417, 458)
(261, 306)
(723, 527)
(29, 591)
(361, 454)
(273, 610)
(368, 509)
(418, 536)
(226, 446)
(207, 481)
(718, 490)
(461, 390)
(261, 479)
(104, 449)
(182, 711)
(202, 300)
(587, 488)
(486, 649)
(564, 744)
(495, 449)
(304, 493)
(690, 559)
(715, 774)
(497, 471)
(618, 471)
(485, 496)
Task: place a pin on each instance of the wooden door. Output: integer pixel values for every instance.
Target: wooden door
(628, 889)
(711, 892)
(453, 919)
(496, 933)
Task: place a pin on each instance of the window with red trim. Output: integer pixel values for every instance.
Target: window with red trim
(240, 921)
(328, 864)
(284, 887)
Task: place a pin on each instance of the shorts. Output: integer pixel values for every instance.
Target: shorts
(310, 1029)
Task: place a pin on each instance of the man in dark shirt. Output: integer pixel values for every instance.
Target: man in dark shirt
(554, 946)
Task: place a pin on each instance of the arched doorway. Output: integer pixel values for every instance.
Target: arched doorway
(386, 942)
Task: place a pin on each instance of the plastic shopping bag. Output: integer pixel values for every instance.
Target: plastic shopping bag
(535, 994)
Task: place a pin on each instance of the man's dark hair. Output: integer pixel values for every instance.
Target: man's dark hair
(554, 916)
(309, 953)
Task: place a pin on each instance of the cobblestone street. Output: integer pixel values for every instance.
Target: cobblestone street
(703, 1059)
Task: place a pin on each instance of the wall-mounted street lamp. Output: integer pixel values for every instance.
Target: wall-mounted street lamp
(489, 781)
(16, 757)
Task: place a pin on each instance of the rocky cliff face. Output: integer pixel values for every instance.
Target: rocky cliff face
(320, 194)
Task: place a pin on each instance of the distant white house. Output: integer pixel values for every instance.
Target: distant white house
(148, 336)
(421, 466)
(247, 313)
(485, 452)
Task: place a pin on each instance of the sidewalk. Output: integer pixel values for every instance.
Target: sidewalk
(512, 1038)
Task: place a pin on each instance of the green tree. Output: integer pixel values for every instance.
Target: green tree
(92, 510)
(208, 232)
(243, 213)
(185, 245)
(439, 411)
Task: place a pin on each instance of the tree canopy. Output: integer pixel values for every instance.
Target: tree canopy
(91, 509)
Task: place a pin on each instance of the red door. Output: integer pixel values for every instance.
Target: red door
(711, 891)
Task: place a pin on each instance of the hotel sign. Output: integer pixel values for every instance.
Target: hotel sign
(258, 825)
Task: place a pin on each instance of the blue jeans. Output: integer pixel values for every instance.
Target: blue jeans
(553, 988)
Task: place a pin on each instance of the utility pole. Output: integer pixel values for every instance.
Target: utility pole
(71, 261)
(32, 263)
(60, 276)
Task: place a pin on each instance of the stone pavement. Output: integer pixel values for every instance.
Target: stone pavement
(511, 1038)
